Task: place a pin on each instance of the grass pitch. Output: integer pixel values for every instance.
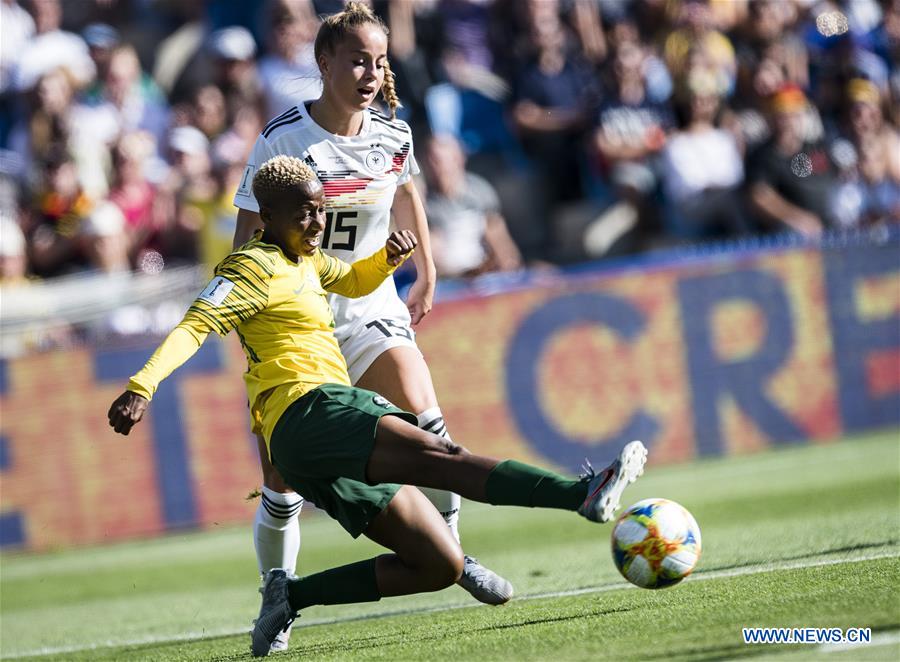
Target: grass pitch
(806, 536)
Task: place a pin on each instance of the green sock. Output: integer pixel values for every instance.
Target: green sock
(513, 483)
(346, 584)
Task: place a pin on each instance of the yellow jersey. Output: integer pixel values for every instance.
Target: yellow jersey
(282, 317)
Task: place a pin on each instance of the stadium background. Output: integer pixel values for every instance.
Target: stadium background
(711, 354)
(697, 348)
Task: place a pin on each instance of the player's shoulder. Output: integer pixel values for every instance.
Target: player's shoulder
(386, 124)
(254, 258)
(292, 124)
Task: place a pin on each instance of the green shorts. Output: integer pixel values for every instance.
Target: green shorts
(321, 446)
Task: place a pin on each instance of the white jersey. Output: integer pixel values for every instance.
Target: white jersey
(360, 174)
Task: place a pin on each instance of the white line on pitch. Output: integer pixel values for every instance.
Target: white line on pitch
(878, 639)
(603, 588)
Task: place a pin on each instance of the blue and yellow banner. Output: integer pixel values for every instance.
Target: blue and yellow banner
(720, 355)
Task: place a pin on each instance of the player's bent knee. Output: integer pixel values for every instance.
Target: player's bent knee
(444, 569)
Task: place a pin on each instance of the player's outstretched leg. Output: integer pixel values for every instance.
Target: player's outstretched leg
(426, 558)
(404, 454)
(482, 583)
(401, 375)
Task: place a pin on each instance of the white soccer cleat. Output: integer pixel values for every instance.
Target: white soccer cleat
(275, 613)
(605, 489)
(485, 585)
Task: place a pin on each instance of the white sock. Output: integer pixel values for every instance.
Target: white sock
(447, 503)
(276, 530)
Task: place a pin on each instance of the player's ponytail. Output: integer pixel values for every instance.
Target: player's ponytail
(335, 27)
(389, 92)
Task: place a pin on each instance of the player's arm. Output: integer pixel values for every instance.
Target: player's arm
(237, 292)
(409, 214)
(364, 276)
(248, 220)
(179, 346)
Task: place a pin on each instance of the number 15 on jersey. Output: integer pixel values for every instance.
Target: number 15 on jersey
(340, 231)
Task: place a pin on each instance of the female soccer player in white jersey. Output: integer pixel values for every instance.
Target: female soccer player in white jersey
(365, 162)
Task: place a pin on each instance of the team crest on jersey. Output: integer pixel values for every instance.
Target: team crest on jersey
(376, 161)
(382, 402)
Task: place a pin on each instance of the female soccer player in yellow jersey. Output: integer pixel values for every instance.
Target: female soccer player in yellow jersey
(347, 449)
(365, 161)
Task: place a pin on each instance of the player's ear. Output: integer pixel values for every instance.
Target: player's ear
(265, 214)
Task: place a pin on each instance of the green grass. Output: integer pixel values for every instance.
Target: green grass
(802, 536)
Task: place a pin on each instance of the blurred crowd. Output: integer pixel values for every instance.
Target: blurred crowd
(547, 131)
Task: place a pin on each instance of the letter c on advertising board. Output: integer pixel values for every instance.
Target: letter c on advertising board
(523, 361)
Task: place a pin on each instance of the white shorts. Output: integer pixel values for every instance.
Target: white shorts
(372, 339)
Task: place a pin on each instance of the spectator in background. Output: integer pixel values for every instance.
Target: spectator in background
(126, 100)
(769, 56)
(16, 29)
(103, 239)
(234, 68)
(289, 73)
(60, 208)
(51, 48)
(872, 164)
(189, 193)
(553, 101)
(134, 195)
(790, 178)
(229, 158)
(702, 166)
(468, 233)
(47, 120)
(101, 40)
(208, 112)
(696, 32)
(631, 131)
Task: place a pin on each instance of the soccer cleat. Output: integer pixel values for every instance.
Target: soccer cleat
(275, 613)
(281, 640)
(485, 585)
(605, 489)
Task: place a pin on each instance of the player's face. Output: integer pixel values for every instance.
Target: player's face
(295, 222)
(354, 73)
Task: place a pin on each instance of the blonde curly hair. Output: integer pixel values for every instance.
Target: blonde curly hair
(279, 175)
(335, 27)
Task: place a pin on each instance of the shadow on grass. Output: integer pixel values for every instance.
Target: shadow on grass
(403, 637)
(799, 557)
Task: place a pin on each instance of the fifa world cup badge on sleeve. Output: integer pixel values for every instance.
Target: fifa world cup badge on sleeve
(215, 293)
(246, 181)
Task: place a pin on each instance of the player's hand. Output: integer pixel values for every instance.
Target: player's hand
(400, 244)
(420, 299)
(127, 410)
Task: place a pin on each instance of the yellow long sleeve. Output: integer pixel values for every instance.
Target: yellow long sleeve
(180, 345)
(354, 280)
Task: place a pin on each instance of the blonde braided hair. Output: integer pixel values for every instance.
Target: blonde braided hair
(335, 27)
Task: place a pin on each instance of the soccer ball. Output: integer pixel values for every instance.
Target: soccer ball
(656, 543)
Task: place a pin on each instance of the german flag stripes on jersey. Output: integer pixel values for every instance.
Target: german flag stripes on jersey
(360, 175)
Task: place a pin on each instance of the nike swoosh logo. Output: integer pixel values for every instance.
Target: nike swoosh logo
(603, 483)
(299, 289)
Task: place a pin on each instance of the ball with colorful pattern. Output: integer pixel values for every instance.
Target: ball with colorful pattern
(656, 543)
